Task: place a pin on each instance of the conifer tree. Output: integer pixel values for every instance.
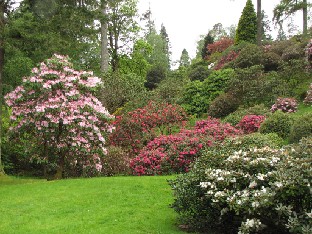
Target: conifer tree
(207, 40)
(247, 25)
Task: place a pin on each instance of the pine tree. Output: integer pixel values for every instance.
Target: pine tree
(207, 40)
(184, 59)
(247, 25)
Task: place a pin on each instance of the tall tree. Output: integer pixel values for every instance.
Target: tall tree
(247, 25)
(184, 59)
(287, 8)
(207, 40)
(122, 28)
(164, 35)
(104, 38)
(2, 19)
(259, 23)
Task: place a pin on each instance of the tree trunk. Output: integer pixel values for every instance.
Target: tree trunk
(259, 23)
(60, 167)
(104, 40)
(305, 17)
(1, 75)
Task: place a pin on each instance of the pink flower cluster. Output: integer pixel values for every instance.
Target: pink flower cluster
(250, 123)
(174, 153)
(136, 128)
(288, 105)
(56, 104)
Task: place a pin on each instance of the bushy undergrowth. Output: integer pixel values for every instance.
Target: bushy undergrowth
(302, 127)
(247, 185)
(174, 153)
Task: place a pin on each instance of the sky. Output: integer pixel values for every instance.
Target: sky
(186, 20)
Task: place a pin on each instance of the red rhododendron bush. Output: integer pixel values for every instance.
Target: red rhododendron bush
(174, 153)
(250, 123)
(57, 108)
(134, 129)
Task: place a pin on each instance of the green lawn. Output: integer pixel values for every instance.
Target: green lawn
(97, 205)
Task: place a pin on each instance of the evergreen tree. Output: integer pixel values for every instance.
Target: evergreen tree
(164, 35)
(247, 25)
(207, 40)
(184, 59)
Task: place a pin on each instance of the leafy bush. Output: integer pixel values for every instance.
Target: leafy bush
(154, 76)
(271, 61)
(116, 162)
(279, 123)
(236, 116)
(174, 153)
(223, 105)
(227, 58)
(198, 71)
(197, 209)
(220, 45)
(294, 51)
(308, 98)
(288, 105)
(302, 127)
(134, 129)
(250, 55)
(250, 123)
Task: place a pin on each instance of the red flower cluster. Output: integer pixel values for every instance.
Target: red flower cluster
(174, 153)
(136, 128)
(250, 123)
(287, 105)
(220, 45)
(226, 59)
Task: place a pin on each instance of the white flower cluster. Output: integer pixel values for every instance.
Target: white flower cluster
(250, 225)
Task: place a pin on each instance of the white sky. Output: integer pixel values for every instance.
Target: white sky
(186, 20)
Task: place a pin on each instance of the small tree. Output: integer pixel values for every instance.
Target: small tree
(247, 25)
(56, 107)
(185, 59)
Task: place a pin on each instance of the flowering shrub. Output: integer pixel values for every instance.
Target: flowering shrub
(255, 190)
(136, 128)
(174, 153)
(285, 104)
(220, 45)
(57, 108)
(250, 123)
(226, 59)
(308, 52)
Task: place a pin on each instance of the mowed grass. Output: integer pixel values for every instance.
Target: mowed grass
(95, 205)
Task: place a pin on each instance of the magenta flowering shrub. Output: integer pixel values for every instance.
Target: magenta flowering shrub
(288, 105)
(174, 153)
(250, 123)
(136, 128)
(57, 108)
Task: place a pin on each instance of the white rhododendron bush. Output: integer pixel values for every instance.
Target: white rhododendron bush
(56, 108)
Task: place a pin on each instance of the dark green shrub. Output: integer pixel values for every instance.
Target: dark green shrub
(223, 105)
(279, 123)
(271, 61)
(302, 127)
(236, 116)
(154, 76)
(198, 71)
(294, 51)
(250, 55)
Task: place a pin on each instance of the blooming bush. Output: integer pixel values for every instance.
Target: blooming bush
(308, 51)
(65, 121)
(251, 123)
(285, 104)
(308, 98)
(137, 127)
(255, 190)
(231, 56)
(220, 45)
(174, 153)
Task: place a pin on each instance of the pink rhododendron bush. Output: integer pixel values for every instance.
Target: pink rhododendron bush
(174, 153)
(57, 108)
(134, 129)
(250, 123)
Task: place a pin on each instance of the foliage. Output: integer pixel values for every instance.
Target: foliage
(198, 71)
(195, 207)
(154, 76)
(223, 105)
(247, 25)
(134, 129)
(308, 98)
(250, 55)
(56, 107)
(230, 57)
(206, 42)
(219, 46)
(271, 61)
(294, 51)
(279, 123)
(302, 127)
(308, 52)
(184, 59)
(174, 153)
(251, 123)
(235, 117)
(119, 89)
(116, 162)
(285, 105)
